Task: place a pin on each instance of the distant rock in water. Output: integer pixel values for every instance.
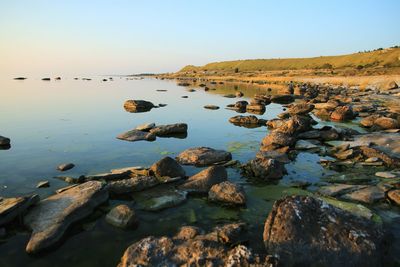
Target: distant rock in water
(137, 135)
(46, 79)
(213, 107)
(136, 106)
(20, 78)
(4, 141)
(57, 78)
(65, 167)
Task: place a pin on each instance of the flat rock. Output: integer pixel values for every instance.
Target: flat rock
(300, 109)
(369, 195)
(338, 189)
(42, 184)
(137, 135)
(227, 192)
(166, 201)
(65, 167)
(203, 156)
(145, 127)
(133, 184)
(394, 195)
(305, 231)
(122, 216)
(51, 217)
(11, 208)
(305, 145)
(282, 99)
(205, 179)
(385, 174)
(213, 107)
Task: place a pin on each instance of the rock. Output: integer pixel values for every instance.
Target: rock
(136, 135)
(108, 176)
(11, 208)
(170, 130)
(4, 141)
(136, 106)
(241, 105)
(301, 109)
(385, 175)
(369, 194)
(230, 96)
(305, 231)
(227, 192)
(133, 184)
(376, 152)
(254, 107)
(20, 78)
(369, 121)
(203, 156)
(279, 139)
(239, 94)
(390, 86)
(184, 96)
(51, 217)
(247, 121)
(265, 169)
(204, 180)
(305, 145)
(3, 232)
(347, 154)
(187, 232)
(166, 201)
(167, 167)
(46, 79)
(338, 189)
(394, 195)
(42, 184)
(121, 216)
(386, 123)
(213, 107)
(329, 106)
(312, 134)
(145, 127)
(342, 113)
(65, 167)
(295, 124)
(282, 99)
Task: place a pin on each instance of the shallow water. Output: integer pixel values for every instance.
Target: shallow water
(50, 123)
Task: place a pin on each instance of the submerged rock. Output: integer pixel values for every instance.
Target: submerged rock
(51, 217)
(305, 231)
(137, 135)
(133, 184)
(247, 121)
(227, 192)
(135, 106)
(203, 156)
(65, 167)
(122, 216)
(166, 201)
(167, 167)
(11, 208)
(204, 180)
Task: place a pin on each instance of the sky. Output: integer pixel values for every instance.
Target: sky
(96, 37)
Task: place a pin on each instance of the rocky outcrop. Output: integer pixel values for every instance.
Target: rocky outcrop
(11, 208)
(136, 106)
(204, 180)
(51, 217)
(167, 167)
(305, 231)
(203, 156)
(227, 192)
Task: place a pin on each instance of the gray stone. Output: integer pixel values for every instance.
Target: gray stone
(65, 167)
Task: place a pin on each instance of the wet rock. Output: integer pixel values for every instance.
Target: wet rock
(329, 106)
(305, 145)
(122, 216)
(213, 107)
(227, 192)
(239, 94)
(203, 156)
(346, 154)
(304, 231)
(204, 180)
(390, 86)
(369, 121)
(247, 121)
(133, 184)
(282, 99)
(167, 167)
(170, 130)
(42, 184)
(241, 105)
(145, 127)
(300, 109)
(46, 79)
(338, 189)
(256, 108)
(11, 208)
(279, 139)
(230, 96)
(342, 113)
(386, 123)
(136, 106)
(376, 152)
(4, 141)
(394, 195)
(65, 167)
(312, 134)
(166, 201)
(136, 135)
(265, 169)
(51, 217)
(369, 195)
(274, 154)
(385, 175)
(295, 124)
(188, 232)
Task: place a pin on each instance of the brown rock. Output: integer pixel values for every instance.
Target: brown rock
(204, 180)
(227, 192)
(203, 156)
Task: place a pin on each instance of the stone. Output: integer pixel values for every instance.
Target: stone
(295, 125)
(145, 127)
(385, 175)
(369, 195)
(369, 121)
(282, 99)
(4, 141)
(43, 184)
(51, 217)
(265, 169)
(386, 123)
(300, 109)
(329, 106)
(65, 167)
(170, 129)
(136, 106)
(137, 135)
(338, 189)
(213, 107)
(205, 179)
(305, 231)
(394, 195)
(12, 208)
(247, 120)
(167, 167)
(122, 216)
(390, 86)
(133, 184)
(305, 145)
(254, 107)
(342, 113)
(238, 94)
(278, 138)
(346, 154)
(166, 201)
(203, 156)
(227, 192)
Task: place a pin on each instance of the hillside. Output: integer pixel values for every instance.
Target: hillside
(380, 58)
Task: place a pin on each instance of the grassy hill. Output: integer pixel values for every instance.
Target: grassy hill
(379, 58)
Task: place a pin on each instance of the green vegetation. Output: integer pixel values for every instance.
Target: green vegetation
(386, 58)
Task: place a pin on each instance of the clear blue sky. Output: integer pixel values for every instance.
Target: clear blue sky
(50, 37)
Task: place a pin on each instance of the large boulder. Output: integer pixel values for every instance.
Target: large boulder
(135, 106)
(11, 208)
(204, 180)
(265, 169)
(227, 192)
(203, 156)
(296, 124)
(305, 231)
(51, 217)
(167, 167)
